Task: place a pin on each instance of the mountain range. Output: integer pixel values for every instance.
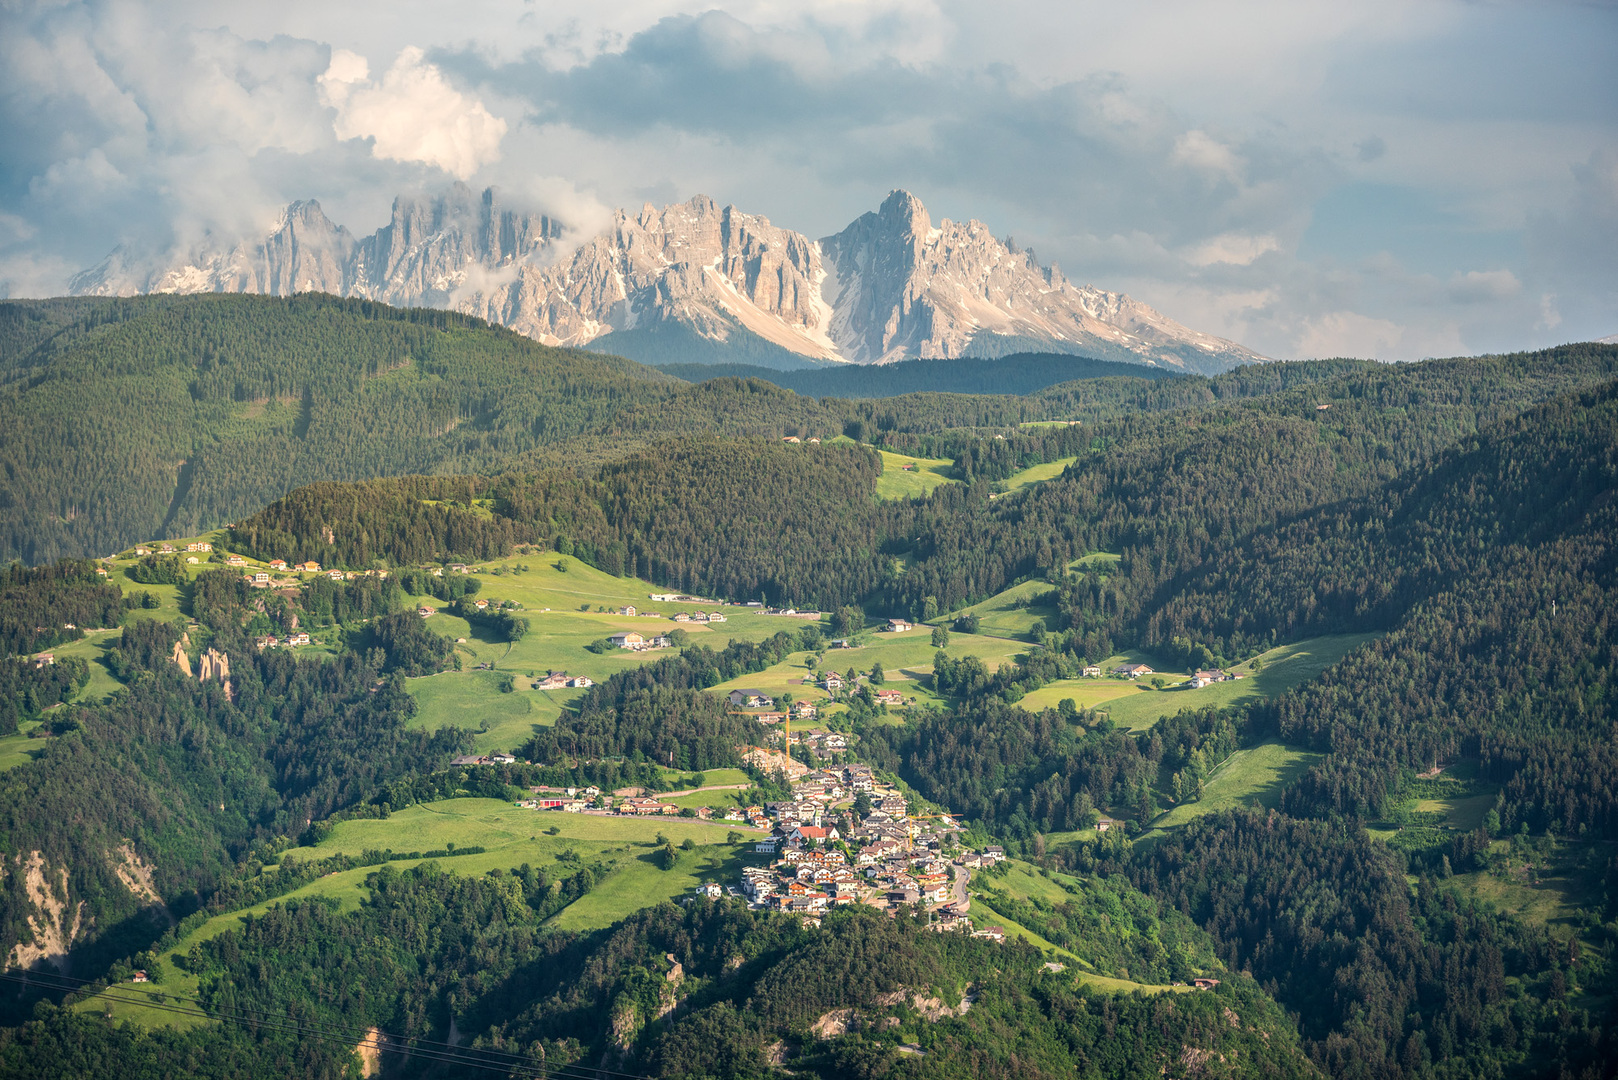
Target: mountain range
(693, 283)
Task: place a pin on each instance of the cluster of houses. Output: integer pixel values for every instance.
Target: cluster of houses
(469, 760)
(1208, 678)
(1135, 671)
(790, 612)
(560, 680)
(628, 639)
(824, 859)
(291, 641)
(679, 616)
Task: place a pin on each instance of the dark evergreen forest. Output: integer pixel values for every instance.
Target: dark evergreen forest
(523, 998)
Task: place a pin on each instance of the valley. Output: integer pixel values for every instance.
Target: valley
(1100, 707)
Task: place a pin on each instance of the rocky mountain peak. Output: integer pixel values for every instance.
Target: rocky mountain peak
(891, 286)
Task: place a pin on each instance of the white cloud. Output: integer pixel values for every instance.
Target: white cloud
(1202, 151)
(1484, 286)
(411, 114)
(1236, 249)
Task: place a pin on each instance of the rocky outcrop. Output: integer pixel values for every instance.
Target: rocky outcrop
(52, 925)
(216, 665)
(892, 286)
(179, 655)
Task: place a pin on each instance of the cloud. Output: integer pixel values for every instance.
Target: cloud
(1278, 173)
(1238, 249)
(411, 114)
(1199, 150)
(1484, 287)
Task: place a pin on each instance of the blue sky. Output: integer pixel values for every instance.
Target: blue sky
(1381, 179)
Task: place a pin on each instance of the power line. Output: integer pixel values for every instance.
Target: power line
(426, 1049)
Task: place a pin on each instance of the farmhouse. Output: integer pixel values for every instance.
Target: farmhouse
(627, 639)
(1132, 671)
(581, 681)
(278, 564)
(1092, 671)
(751, 699)
(832, 681)
(889, 697)
(424, 611)
(897, 626)
(626, 611)
(310, 567)
(199, 545)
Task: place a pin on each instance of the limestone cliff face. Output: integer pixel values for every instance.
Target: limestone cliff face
(902, 288)
(892, 286)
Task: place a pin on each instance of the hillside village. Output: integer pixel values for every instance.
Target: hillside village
(843, 836)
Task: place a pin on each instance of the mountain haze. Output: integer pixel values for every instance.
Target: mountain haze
(694, 282)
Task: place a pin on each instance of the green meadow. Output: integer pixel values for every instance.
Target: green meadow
(1257, 774)
(1023, 881)
(1008, 613)
(1035, 474)
(1102, 562)
(1086, 693)
(569, 605)
(1267, 675)
(904, 477)
(513, 836)
(19, 749)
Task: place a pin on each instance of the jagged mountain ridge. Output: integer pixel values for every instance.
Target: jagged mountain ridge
(891, 286)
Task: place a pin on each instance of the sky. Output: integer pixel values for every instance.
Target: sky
(1393, 179)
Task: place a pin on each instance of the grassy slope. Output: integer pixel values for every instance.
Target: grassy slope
(1279, 670)
(895, 483)
(513, 836)
(1257, 774)
(1024, 881)
(1003, 614)
(1035, 474)
(557, 640)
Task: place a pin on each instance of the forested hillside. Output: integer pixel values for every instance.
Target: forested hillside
(124, 420)
(1494, 568)
(1019, 373)
(1456, 517)
(1170, 488)
(179, 777)
(714, 990)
